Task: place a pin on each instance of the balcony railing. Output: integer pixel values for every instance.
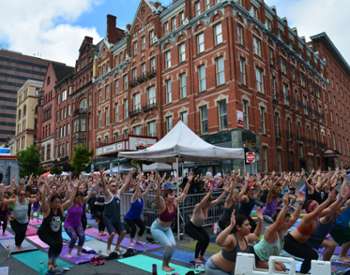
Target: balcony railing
(149, 106)
(144, 77)
(135, 111)
(81, 111)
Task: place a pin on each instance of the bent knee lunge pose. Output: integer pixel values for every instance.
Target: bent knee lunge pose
(167, 211)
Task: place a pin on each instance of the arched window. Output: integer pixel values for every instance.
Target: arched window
(83, 105)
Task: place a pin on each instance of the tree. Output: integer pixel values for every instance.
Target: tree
(81, 159)
(29, 161)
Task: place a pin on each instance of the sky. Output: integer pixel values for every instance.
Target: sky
(55, 29)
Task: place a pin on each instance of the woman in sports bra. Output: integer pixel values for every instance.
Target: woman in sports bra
(235, 238)
(161, 227)
(295, 243)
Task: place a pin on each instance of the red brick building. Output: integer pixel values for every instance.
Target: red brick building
(337, 100)
(234, 71)
(46, 127)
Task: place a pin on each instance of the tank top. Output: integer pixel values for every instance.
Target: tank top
(52, 225)
(264, 249)
(167, 216)
(111, 210)
(74, 216)
(231, 255)
(20, 212)
(135, 210)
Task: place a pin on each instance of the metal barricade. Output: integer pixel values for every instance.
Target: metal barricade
(186, 208)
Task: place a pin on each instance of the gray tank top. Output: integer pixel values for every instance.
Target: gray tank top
(20, 212)
(231, 255)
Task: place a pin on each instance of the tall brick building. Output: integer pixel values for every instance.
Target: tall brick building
(15, 69)
(234, 71)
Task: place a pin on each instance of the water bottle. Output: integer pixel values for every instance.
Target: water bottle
(154, 269)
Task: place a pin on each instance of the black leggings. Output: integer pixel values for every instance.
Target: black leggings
(131, 227)
(3, 223)
(20, 231)
(300, 250)
(55, 243)
(199, 234)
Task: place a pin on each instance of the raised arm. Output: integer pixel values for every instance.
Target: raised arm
(225, 238)
(73, 192)
(320, 208)
(184, 193)
(259, 227)
(159, 200)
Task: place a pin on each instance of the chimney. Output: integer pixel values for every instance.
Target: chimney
(111, 28)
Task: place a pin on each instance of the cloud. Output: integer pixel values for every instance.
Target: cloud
(313, 17)
(45, 28)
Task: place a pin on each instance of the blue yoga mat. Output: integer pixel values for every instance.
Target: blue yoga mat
(37, 260)
(144, 263)
(179, 255)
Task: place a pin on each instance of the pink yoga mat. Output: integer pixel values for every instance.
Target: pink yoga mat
(7, 235)
(36, 240)
(93, 232)
(35, 221)
(31, 230)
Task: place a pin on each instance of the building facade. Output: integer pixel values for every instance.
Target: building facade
(337, 100)
(26, 119)
(15, 69)
(46, 130)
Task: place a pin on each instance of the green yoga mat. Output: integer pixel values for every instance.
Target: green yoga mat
(37, 260)
(145, 263)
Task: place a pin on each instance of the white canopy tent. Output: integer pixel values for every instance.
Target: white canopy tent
(157, 166)
(181, 143)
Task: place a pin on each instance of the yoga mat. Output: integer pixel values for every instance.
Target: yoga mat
(4, 270)
(6, 236)
(9, 245)
(183, 256)
(31, 230)
(37, 260)
(145, 263)
(83, 258)
(125, 243)
(98, 246)
(36, 240)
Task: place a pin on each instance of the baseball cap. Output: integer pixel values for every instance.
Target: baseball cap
(169, 186)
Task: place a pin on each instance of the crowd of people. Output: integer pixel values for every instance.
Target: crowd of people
(259, 214)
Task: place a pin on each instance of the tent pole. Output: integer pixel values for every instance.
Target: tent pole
(177, 192)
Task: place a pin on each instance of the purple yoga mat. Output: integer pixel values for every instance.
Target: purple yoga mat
(83, 258)
(36, 240)
(93, 232)
(7, 235)
(31, 230)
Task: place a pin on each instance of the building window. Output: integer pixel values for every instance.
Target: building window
(301, 151)
(173, 23)
(274, 87)
(242, 71)
(153, 64)
(202, 78)
(289, 128)
(182, 52)
(107, 116)
(183, 85)
(151, 95)
(184, 117)
(143, 42)
(277, 125)
(135, 48)
(143, 69)
(126, 108)
(259, 80)
(116, 112)
(262, 119)
(246, 113)
(286, 94)
(182, 18)
(48, 152)
(136, 99)
(168, 123)
(99, 119)
(298, 130)
(271, 56)
(168, 91)
(133, 74)
(167, 59)
(207, 4)
(222, 112)
(151, 129)
(218, 34)
(256, 46)
(197, 8)
(220, 71)
(203, 112)
(166, 27)
(152, 37)
(268, 24)
(264, 158)
(200, 43)
(240, 35)
(137, 130)
(126, 82)
(283, 66)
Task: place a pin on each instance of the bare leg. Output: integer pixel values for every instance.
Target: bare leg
(120, 239)
(109, 241)
(344, 251)
(329, 246)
